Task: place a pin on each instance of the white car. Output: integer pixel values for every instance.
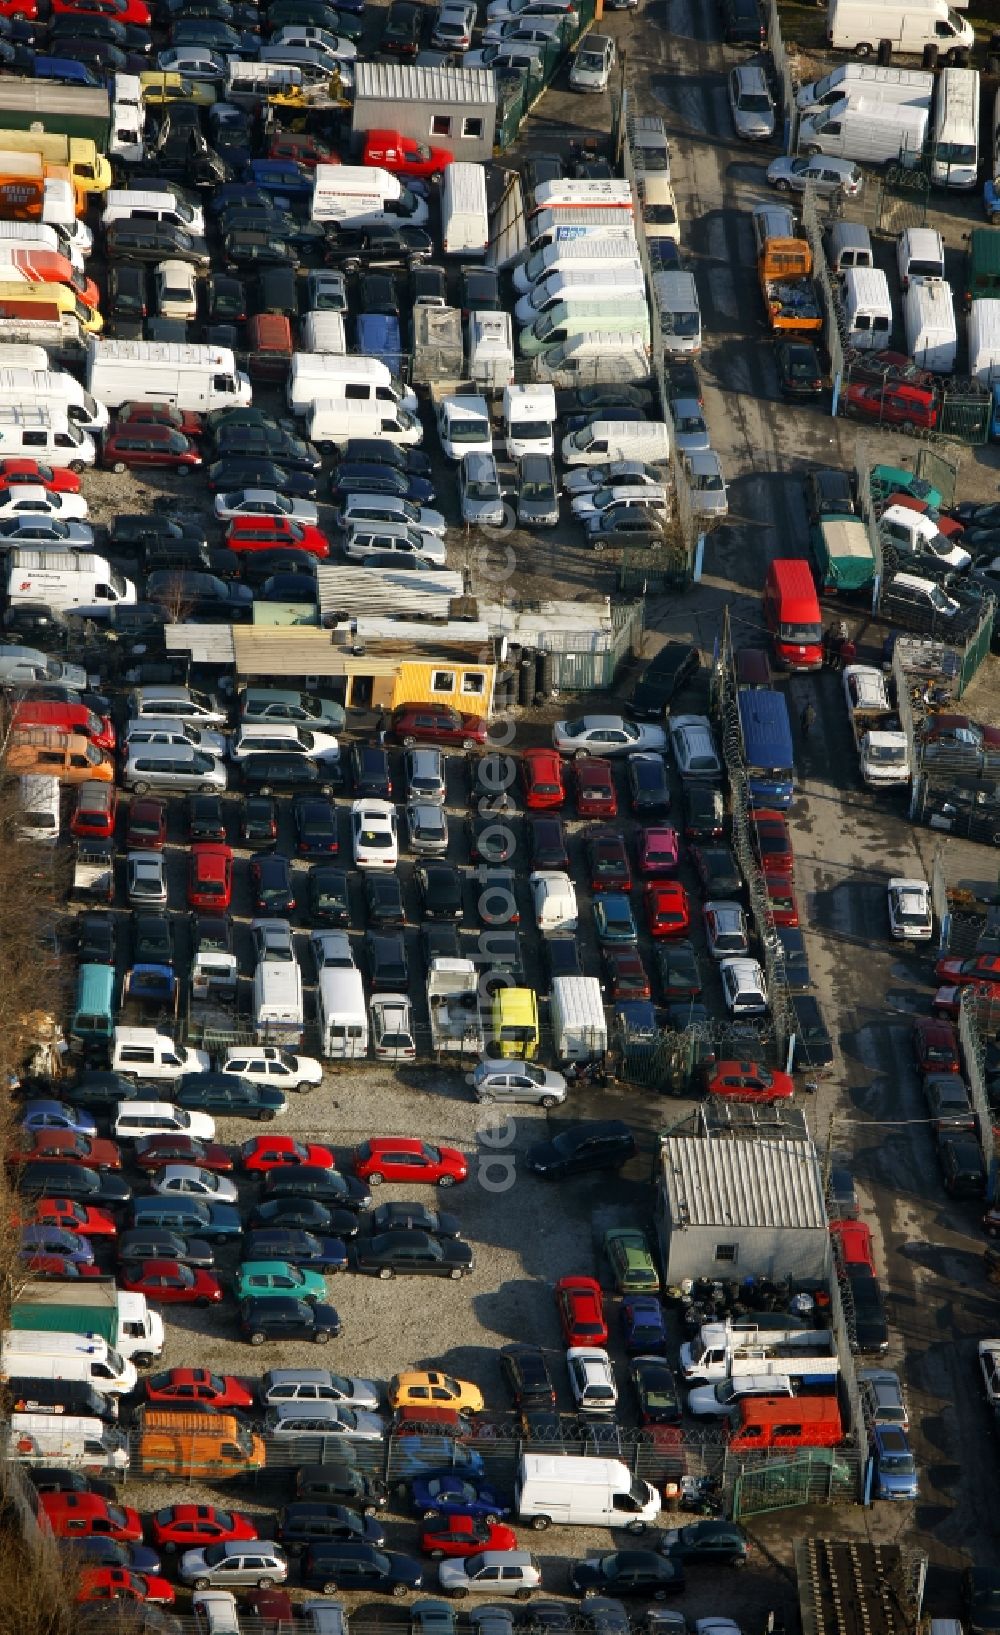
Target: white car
(32, 499)
(911, 917)
(502, 1080)
(365, 538)
(620, 474)
(273, 939)
(693, 744)
(709, 495)
(332, 46)
(267, 1064)
(725, 930)
(591, 1379)
(916, 535)
(717, 1401)
(190, 1181)
(331, 951)
(149, 730)
(427, 828)
(497, 10)
(194, 62)
(282, 737)
(453, 26)
(168, 702)
(392, 1028)
(374, 835)
(147, 880)
(264, 502)
(176, 286)
(391, 508)
(554, 897)
(593, 508)
(491, 1572)
(865, 689)
(592, 64)
(606, 735)
(744, 987)
(512, 31)
(690, 425)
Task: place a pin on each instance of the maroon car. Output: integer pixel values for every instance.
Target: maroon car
(154, 1152)
(935, 1046)
(437, 724)
(148, 444)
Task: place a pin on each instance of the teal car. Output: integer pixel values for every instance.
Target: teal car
(258, 1279)
(613, 918)
(632, 1264)
(888, 480)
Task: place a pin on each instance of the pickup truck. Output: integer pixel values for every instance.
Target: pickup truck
(883, 752)
(786, 284)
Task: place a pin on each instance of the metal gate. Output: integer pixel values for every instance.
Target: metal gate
(900, 200)
(940, 468)
(977, 649)
(814, 1476)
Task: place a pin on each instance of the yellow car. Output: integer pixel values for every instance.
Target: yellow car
(160, 88)
(420, 1390)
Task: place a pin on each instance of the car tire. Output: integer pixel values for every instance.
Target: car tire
(375, 1179)
(737, 1561)
(140, 789)
(77, 466)
(265, 1583)
(446, 1181)
(168, 1547)
(522, 1595)
(265, 789)
(201, 1584)
(459, 1594)
(330, 1587)
(161, 1475)
(321, 1336)
(863, 49)
(182, 471)
(457, 1272)
(469, 743)
(408, 743)
(493, 1520)
(398, 1591)
(118, 467)
(540, 1523)
(386, 1272)
(428, 1515)
(203, 1303)
(782, 185)
(636, 1527)
(220, 1240)
(257, 1338)
(548, 1102)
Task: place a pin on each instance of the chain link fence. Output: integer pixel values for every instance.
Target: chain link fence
(784, 82)
(863, 463)
(834, 324)
(516, 98)
(971, 1038)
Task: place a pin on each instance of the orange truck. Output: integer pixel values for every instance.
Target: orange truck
(786, 284)
(786, 1422)
(24, 266)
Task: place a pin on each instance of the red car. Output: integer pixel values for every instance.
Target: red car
(668, 911)
(188, 1526)
(56, 479)
(83, 1219)
(121, 1584)
(450, 1536)
(95, 811)
(169, 1283)
(152, 1152)
(542, 778)
(935, 1046)
(146, 826)
(625, 974)
(276, 533)
(438, 724)
(70, 1147)
(147, 444)
(774, 843)
(403, 155)
(210, 876)
(596, 795)
(301, 149)
(57, 1266)
(178, 1386)
(748, 1081)
(401, 1158)
(607, 862)
(979, 968)
(266, 1152)
(87, 1515)
(781, 897)
(895, 404)
(580, 1305)
(947, 1000)
(161, 414)
(121, 11)
(854, 1243)
(658, 850)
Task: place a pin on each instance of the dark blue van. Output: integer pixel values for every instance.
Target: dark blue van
(767, 746)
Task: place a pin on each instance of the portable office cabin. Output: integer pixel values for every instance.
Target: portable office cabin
(453, 108)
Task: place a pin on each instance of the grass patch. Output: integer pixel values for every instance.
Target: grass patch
(804, 26)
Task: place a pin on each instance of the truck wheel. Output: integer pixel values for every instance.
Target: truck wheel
(548, 1102)
(459, 1595)
(781, 184)
(539, 1523)
(118, 467)
(863, 49)
(386, 1272)
(257, 1339)
(321, 1336)
(456, 1273)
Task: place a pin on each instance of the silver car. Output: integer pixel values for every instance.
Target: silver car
(606, 735)
(750, 103)
(518, 1081)
(168, 702)
(426, 828)
(690, 425)
(725, 930)
(491, 1572)
(592, 65)
(147, 881)
(480, 491)
(826, 175)
(426, 778)
(254, 1562)
(317, 1385)
(709, 495)
(583, 480)
(323, 1418)
(149, 730)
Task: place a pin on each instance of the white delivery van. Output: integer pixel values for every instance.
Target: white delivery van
(465, 227)
(585, 195)
(62, 1439)
(463, 424)
(593, 281)
(126, 204)
(365, 195)
(919, 254)
(357, 378)
(607, 440)
(278, 1014)
(53, 388)
(562, 224)
(146, 1053)
(874, 133)
(848, 245)
(193, 377)
(567, 1490)
(40, 235)
(955, 133)
(332, 421)
(53, 1355)
(529, 414)
(984, 341)
(38, 809)
(490, 365)
(576, 249)
(676, 297)
(580, 317)
(854, 79)
(595, 359)
(46, 433)
(554, 897)
(576, 1012)
(342, 1014)
(79, 581)
(929, 315)
(856, 25)
(323, 332)
(864, 293)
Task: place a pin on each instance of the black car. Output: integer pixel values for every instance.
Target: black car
(315, 826)
(491, 839)
(297, 1247)
(95, 939)
(53, 1479)
(354, 247)
(379, 294)
(329, 1567)
(813, 1052)
(326, 1185)
(340, 1483)
(308, 1523)
(365, 477)
(664, 677)
(277, 770)
(128, 300)
(303, 1215)
(718, 872)
(402, 1252)
(271, 879)
(415, 1217)
(561, 957)
(245, 247)
(403, 29)
(547, 843)
(228, 1093)
(502, 956)
(527, 1376)
(800, 369)
(479, 290)
(287, 560)
(679, 973)
(384, 899)
(627, 1572)
(189, 594)
(267, 442)
(152, 939)
(602, 1144)
(101, 1090)
(428, 286)
(370, 770)
(205, 818)
(439, 940)
(258, 820)
(595, 400)
(542, 167)
(829, 493)
(225, 301)
(794, 959)
(305, 237)
(174, 554)
(235, 472)
(866, 1310)
(742, 23)
(656, 1391)
(49, 1178)
(136, 531)
(281, 1317)
(146, 1243)
(289, 587)
(153, 241)
(648, 786)
(980, 1598)
(106, 1552)
(128, 36)
(372, 450)
(385, 952)
(440, 889)
(962, 1164)
(328, 896)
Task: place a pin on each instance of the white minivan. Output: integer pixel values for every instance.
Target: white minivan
(342, 1014)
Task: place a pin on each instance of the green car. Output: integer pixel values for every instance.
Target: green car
(631, 1262)
(257, 1279)
(888, 480)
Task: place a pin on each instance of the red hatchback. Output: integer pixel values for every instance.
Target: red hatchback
(121, 1584)
(748, 1081)
(83, 1219)
(143, 444)
(121, 11)
(400, 1158)
(161, 414)
(167, 1282)
(69, 1147)
(146, 826)
(95, 811)
(596, 795)
(668, 911)
(895, 404)
(625, 974)
(189, 1526)
(154, 1152)
(444, 1537)
(267, 1152)
(276, 533)
(960, 972)
(781, 898)
(658, 850)
(580, 1305)
(773, 842)
(607, 863)
(854, 1243)
(437, 724)
(178, 1386)
(88, 1515)
(210, 876)
(542, 779)
(58, 480)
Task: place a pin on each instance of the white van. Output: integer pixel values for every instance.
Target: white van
(146, 1053)
(77, 581)
(854, 79)
(595, 359)
(278, 1012)
(40, 235)
(490, 358)
(564, 224)
(529, 414)
(598, 281)
(931, 333)
(463, 425)
(333, 421)
(44, 432)
(342, 1014)
(39, 818)
(848, 244)
(579, 250)
(919, 254)
(676, 297)
(867, 308)
(566, 1490)
(612, 194)
(984, 342)
(874, 133)
(323, 332)
(608, 440)
(578, 317)
(955, 133)
(60, 1439)
(124, 204)
(54, 1355)
(133, 1120)
(465, 226)
(357, 378)
(858, 26)
(54, 388)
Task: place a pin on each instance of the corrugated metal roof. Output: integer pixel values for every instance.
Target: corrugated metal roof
(405, 82)
(743, 1183)
(299, 651)
(383, 591)
(206, 643)
(457, 632)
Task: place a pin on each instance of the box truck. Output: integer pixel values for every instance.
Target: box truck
(67, 110)
(197, 378)
(566, 1490)
(576, 1010)
(92, 1306)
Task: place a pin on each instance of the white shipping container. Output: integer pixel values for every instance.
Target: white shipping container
(465, 228)
(579, 1027)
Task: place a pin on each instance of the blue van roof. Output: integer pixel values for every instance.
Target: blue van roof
(765, 721)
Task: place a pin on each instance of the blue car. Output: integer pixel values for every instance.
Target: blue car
(895, 1472)
(53, 1240)
(361, 477)
(108, 1552)
(321, 1254)
(644, 1325)
(57, 1115)
(283, 176)
(432, 1455)
(444, 1493)
(241, 193)
(613, 920)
